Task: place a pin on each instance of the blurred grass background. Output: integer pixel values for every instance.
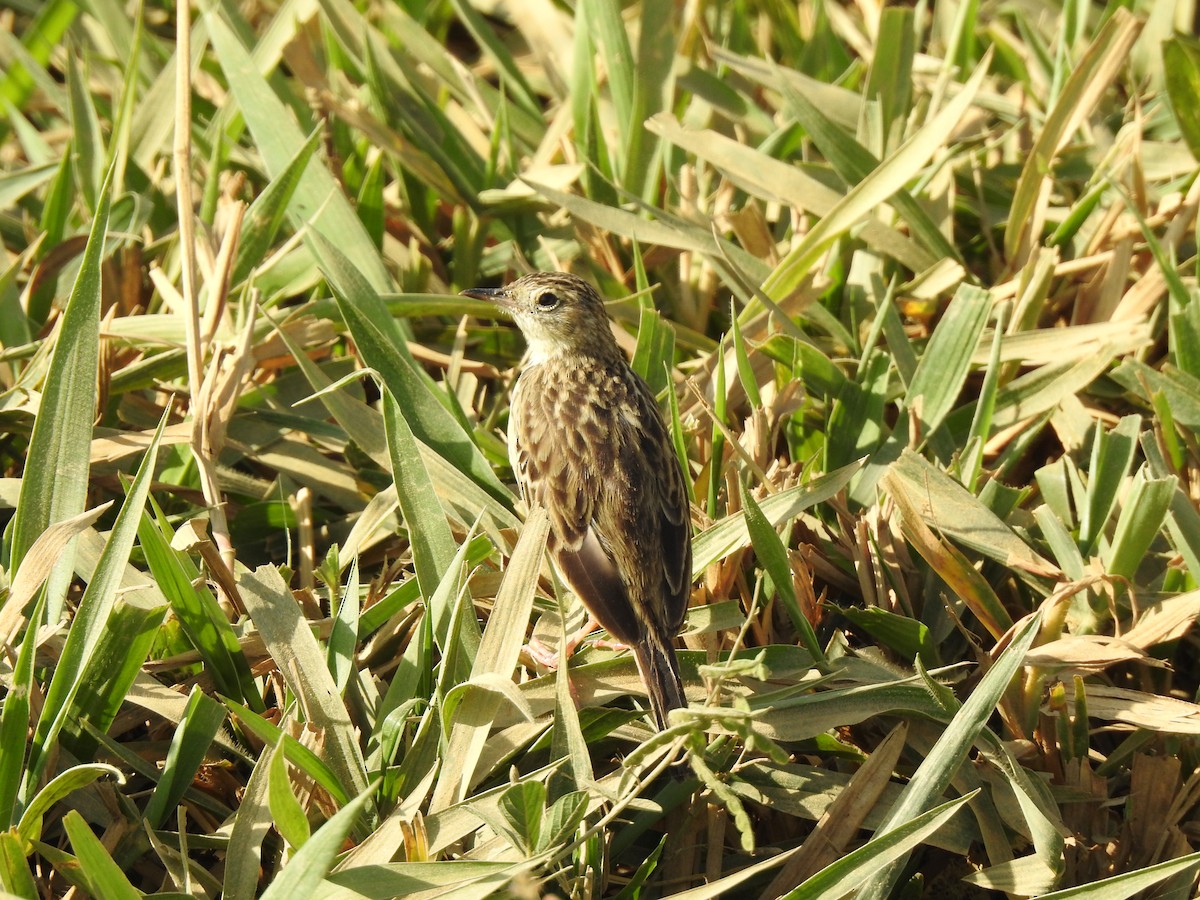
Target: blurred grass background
(917, 286)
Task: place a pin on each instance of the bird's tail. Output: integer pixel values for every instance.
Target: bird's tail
(660, 671)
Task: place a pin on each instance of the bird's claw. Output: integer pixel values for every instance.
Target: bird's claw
(541, 654)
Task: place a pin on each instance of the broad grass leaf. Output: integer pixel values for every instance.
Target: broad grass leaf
(243, 860)
(198, 611)
(287, 814)
(878, 187)
(948, 507)
(1140, 522)
(307, 869)
(884, 850)
(365, 427)
(97, 868)
(301, 662)
(769, 548)
(433, 545)
(937, 770)
(1129, 884)
(942, 371)
(1181, 62)
(854, 162)
(1090, 77)
(780, 182)
(297, 754)
(669, 233)
(190, 747)
(428, 415)
(471, 721)
(463, 879)
(45, 33)
(318, 202)
(727, 535)
(30, 827)
(18, 879)
(56, 488)
(15, 185)
(1027, 876)
(267, 213)
(1112, 456)
(88, 639)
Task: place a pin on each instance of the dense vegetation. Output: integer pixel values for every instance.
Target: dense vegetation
(917, 287)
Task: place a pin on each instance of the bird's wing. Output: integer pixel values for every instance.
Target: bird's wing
(556, 469)
(665, 500)
(607, 473)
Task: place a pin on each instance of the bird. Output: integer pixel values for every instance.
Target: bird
(587, 442)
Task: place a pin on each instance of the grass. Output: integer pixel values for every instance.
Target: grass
(918, 289)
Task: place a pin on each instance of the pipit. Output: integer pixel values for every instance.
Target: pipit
(588, 443)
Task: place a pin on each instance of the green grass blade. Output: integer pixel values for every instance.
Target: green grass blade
(267, 213)
(935, 773)
(243, 861)
(88, 146)
(774, 557)
(365, 427)
(1090, 77)
(945, 364)
(1140, 522)
(291, 643)
(855, 163)
(198, 612)
(297, 754)
(1129, 884)
(318, 202)
(189, 747)
(33, 819)
(878, 187)
(44, 34)
(883, 850)
(15, 874)
(98, 869)
(732, 532)
(778, 181)
(87, 641)
(344, 638)
(469, 719)
(1112, 456)
(56, 488)
(286, 813)
(1181, 63)
(426, 413)
(948, 507)
(433, 546)
(514, 82)
(307, 869)
(890, 81)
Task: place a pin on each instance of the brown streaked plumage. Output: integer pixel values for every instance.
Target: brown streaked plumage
(588, 443)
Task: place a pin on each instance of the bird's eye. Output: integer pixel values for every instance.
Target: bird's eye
(547, 300)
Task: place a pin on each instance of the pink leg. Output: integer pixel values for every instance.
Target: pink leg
(546, 656)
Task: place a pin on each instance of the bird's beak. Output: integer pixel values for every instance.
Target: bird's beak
(499, 296)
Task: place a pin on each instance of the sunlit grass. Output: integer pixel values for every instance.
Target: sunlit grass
(917, 288)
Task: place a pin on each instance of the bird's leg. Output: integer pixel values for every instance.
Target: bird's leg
(541, 653)
(547, 657)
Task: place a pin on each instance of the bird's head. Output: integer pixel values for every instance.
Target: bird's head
(559, 314)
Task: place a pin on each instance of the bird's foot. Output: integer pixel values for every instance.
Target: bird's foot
(549, 658)
(541, 654)
(604, 644)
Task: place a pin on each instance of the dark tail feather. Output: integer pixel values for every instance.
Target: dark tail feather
(660, 671)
